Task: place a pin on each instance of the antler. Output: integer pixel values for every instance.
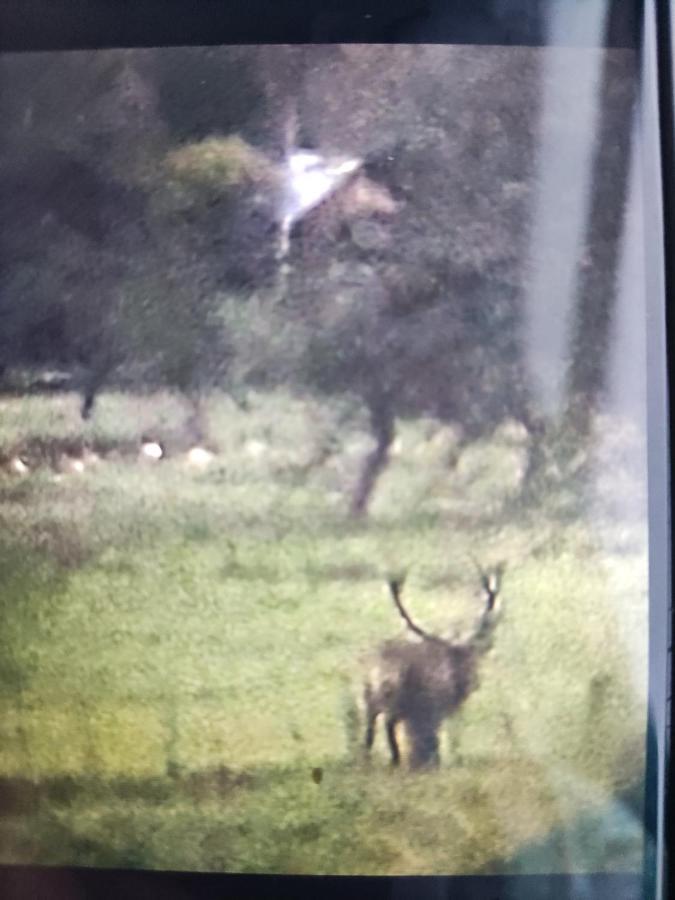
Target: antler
(484, 580)
(491, 582)
(395, 585)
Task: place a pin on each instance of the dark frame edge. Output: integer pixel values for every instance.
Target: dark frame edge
(659, 20)
(658, 170)
(39, 25)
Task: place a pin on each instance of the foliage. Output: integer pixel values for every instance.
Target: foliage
(145, 186)
(218, 164)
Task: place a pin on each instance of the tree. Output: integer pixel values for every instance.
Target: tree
(109, 270)
(144, 186)
(78, 136)
(416, 307)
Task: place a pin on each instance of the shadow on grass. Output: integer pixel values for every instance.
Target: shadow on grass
(22, 796)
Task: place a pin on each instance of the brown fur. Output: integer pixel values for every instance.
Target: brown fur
(421, 684)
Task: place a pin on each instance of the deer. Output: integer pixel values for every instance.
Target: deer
(420, 684)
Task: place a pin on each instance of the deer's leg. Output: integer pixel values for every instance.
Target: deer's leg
(370, 729)
(424, 740)
(393, 743)
(372, 712)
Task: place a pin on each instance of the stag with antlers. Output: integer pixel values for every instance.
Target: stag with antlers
(422, 683)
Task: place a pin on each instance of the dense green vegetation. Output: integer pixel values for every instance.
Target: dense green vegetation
(182, 648)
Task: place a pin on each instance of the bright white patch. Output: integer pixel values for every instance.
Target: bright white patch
(199, 456)
(151, 450)
(18, 466)
(255, 449)
(308, 180)
(396, 448)
(301, 160)
(346, 167)
(69, 464)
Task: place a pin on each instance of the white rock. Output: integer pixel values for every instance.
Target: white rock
(152, 451)
(70, 464)
(200, 457)
(18, 466)
(255, 449)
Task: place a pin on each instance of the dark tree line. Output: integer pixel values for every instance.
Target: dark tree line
(140, 227)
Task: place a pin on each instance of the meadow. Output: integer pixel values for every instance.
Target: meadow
(182, 645)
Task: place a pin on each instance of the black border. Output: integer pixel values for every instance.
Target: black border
(80, 24)
(656, 106)
(665, 16)
(63, 884)
(34, 25)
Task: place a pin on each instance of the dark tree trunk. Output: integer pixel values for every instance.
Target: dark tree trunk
(96, 374)
(383, 425)
(94, 380)
(195, 425)
(88, 400)
(89, 392)
(536, 454)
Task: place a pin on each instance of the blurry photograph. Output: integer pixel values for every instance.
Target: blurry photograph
(323, 460)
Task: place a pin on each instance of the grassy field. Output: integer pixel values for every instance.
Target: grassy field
(182, 647)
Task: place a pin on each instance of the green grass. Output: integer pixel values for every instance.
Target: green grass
(180, 648)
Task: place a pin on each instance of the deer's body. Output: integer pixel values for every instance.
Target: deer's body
(421, 684)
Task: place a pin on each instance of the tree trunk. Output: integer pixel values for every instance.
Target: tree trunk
(382, 423)
(98, 362)
(196, 419)
(93, 382)
(536, 455)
